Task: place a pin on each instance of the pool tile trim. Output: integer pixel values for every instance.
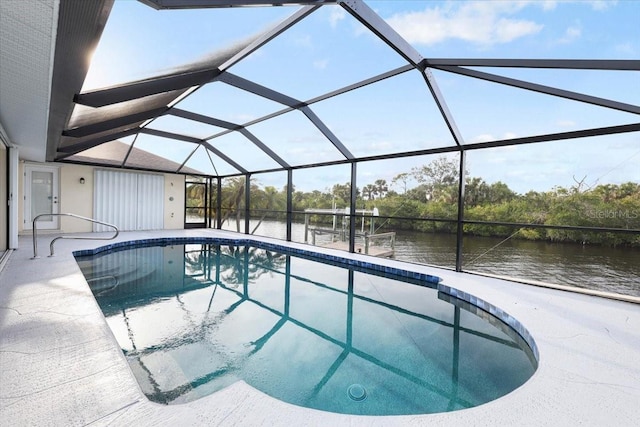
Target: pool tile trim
(262, 245)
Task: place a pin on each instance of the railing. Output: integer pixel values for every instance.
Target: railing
(339, 240)
(95, 221)
(372, 238)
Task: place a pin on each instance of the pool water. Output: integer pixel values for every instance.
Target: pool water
(195, 318)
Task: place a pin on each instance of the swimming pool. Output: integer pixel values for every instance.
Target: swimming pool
(194, 316)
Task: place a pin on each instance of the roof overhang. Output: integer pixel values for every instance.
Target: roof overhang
(80, 26)
(45, 48)
(197, 4)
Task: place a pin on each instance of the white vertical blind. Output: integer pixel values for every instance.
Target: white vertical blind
(150, 202)
(130, 201)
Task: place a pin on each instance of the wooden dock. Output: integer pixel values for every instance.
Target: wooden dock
(378, 251)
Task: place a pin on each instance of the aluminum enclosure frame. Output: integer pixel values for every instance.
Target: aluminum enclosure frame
(191, 81)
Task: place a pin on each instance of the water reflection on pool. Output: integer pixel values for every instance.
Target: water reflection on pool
(195, 318)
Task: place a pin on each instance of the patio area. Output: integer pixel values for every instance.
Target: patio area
(61, 365)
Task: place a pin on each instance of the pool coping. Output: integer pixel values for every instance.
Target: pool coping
(61, 365)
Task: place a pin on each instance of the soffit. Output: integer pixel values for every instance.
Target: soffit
(27, 29)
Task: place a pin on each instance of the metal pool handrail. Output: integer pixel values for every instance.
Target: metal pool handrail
(35, 231)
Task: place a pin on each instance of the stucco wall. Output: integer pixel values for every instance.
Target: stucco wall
(173, 201)
(77, 198)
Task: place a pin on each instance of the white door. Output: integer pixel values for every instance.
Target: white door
(41, 196)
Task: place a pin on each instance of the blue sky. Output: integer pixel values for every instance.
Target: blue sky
(329, 49)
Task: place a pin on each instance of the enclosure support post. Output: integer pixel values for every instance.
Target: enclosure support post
(207, 216)
(460, 230)
(306, 227)
(247, 201)
(352, 210)
(219, 203)
(290, 203)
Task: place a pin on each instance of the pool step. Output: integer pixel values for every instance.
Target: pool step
(104, 278)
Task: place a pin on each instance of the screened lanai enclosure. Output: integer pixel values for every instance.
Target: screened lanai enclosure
(332, 123)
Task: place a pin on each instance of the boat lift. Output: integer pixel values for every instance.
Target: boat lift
(366, 241)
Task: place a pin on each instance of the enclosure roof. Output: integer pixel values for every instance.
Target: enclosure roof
(119, 154)
(183, 114)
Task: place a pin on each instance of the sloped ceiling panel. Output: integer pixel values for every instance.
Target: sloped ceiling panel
(80, 26)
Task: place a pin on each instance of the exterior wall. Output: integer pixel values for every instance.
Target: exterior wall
(4, 218)
(173, 201)
(77, 198)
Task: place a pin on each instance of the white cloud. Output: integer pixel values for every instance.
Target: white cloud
(483, 138)
(508, 30)
(242, 118)
(320, 64)
(260, 53)
(549, 4)
(487, 137)
(595, 4)
(566, 123)
(380, 146)
(497, 160)
(337, 14)
(602, 4)
(303, 41)
(625, 49)
(571, 34)
(483, 23)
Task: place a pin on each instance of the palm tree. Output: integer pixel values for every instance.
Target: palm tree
(232, 195)
(271, 195)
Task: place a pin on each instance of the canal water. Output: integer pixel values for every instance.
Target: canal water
(585, 266)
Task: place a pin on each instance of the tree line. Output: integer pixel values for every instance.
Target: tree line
(425, 199)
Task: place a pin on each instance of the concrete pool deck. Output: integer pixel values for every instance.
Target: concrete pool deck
(60, 364)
